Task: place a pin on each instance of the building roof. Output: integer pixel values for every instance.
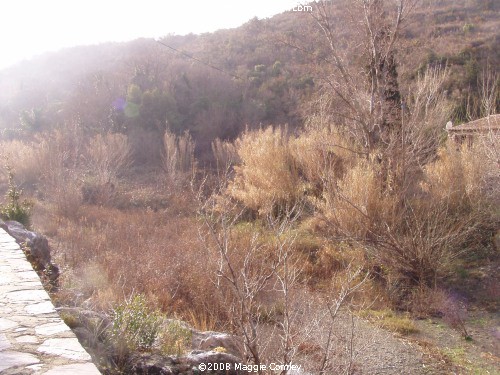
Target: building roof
(482, 125)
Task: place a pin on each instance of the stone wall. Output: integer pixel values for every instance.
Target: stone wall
(33, 338)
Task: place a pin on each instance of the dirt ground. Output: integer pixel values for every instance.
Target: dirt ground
(435, 349)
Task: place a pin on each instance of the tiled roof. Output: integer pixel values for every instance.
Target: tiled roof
(485, 124)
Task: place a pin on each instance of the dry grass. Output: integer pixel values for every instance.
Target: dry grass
(147, 240)
(413, 209)
(387, 319)
(108, 156)
(108, 254)
(318, 152)
(178, 157)
(63, 191)
(51, 166)
(66, 169)
(406, 213)
(24, 159)
(413, 221)
(225, 154)
(416, 238)
(354, 203)
(458, 175)
(149, 245)
(131, 248)
(268, 178)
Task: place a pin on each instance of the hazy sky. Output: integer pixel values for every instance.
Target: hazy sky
(30, 27)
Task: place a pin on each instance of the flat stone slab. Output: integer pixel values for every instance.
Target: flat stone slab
(36, 368)
(21, 267)
(68, 348)
(28, 276)
(10, 246)
(33, 338)
(79, 369)
(9, 359)
(40, 308)
(22, 296)
(7, 324)
(27, 339)
(4, 342)
(50, 329)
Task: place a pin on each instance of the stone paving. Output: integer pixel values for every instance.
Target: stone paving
(33, 338)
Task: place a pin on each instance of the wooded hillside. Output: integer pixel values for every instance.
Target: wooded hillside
(264, 72)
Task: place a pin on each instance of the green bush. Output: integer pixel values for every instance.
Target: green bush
(15, 208)
(135, 323)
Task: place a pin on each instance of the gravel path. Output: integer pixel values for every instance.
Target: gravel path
(381, 352)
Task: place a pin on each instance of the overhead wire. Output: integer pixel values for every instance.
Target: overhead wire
(198, 60)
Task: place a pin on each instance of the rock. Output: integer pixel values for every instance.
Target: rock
(19, 232)
(79, 317)
(40, 308)
(195, 359)
(91, 329)
(153, 364)
(156, 364)
(38, 246)
(210, 340)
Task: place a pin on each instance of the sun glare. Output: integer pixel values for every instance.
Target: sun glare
(31, 27)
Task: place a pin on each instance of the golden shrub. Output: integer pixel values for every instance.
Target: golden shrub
(268, 177)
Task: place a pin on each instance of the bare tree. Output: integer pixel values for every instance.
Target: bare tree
(250, 271)
(489, 84)
(353, 280)
(244, 273)
(262, 267)
(370, 95)
(286, 279)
